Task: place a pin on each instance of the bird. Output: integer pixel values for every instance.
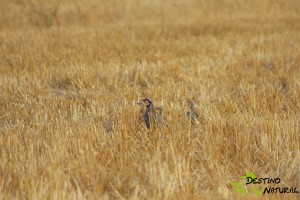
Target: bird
(150, 113)
(191, 113)
(159, 114)
(161, 122)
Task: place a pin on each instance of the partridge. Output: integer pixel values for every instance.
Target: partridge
(159, 114)
(191, 113)
(150, 113)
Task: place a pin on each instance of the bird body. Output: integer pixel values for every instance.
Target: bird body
(191, 113)
(159, 115)
(152, 115)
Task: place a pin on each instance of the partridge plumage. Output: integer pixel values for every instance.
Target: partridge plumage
(159, 115)
(153, 115)
(192, 113)
(150, 113)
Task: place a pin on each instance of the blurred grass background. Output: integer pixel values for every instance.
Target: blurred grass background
(71, 73)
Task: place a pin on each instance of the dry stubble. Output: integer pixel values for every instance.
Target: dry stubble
(72, 73)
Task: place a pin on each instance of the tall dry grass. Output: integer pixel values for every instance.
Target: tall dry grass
(73, 71)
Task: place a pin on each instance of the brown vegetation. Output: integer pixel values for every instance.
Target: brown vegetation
(72, 72)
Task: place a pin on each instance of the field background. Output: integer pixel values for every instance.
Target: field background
(72, 72)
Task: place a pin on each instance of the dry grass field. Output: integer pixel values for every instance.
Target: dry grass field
(72, 73)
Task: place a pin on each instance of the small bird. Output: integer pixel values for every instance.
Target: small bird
(159, 114)
(191, 113)
(150, 113)
(162, 123)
